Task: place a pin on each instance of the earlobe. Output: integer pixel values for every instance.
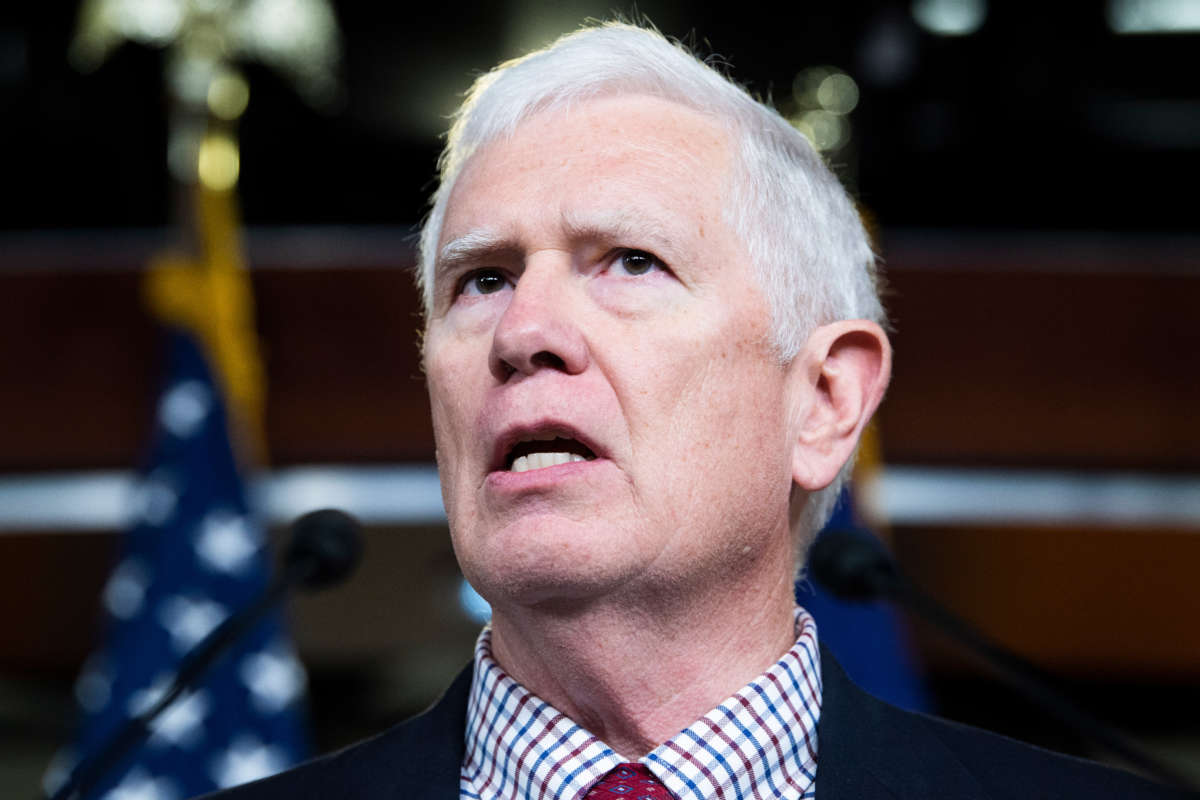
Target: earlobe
(839, 378)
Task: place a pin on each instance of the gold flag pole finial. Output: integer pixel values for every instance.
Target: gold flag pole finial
(204, 287)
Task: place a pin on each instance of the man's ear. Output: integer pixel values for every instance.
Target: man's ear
(837, 381)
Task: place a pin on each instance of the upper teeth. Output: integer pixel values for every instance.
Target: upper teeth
(542, 460)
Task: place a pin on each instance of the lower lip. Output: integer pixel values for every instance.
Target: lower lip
(546, 477)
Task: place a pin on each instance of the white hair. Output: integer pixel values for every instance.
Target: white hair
(805, 238)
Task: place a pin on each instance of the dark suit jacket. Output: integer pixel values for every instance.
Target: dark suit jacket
(866, 749)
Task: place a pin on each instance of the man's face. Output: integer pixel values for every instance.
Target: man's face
(608, 412)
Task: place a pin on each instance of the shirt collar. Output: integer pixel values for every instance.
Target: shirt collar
(759, 742)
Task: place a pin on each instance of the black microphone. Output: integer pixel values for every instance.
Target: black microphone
(325, 548)
(852, 566)
(856, 567)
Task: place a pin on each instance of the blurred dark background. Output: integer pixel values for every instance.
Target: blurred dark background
(1029, 169)
(1042, 117)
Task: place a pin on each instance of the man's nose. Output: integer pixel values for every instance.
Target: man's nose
(537, 330)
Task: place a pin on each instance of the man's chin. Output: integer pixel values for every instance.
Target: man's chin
(547, 583)
(547, 588)
(533, 559)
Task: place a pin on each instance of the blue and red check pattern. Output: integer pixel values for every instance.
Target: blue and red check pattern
(761, 742)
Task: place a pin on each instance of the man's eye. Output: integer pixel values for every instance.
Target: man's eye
(484, 281)
(637, 262)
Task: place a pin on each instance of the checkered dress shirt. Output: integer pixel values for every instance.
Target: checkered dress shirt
(759, 743)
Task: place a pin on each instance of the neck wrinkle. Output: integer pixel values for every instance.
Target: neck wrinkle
(680, 662)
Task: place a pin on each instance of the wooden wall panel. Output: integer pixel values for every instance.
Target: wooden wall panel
(1075, 369)
(1094, 604)
(344, 374)
(77, 360)
(80, 360)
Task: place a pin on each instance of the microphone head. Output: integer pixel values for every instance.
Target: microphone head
(326, 547)
(852, 566)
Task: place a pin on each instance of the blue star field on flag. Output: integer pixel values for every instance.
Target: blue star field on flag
(195, 555)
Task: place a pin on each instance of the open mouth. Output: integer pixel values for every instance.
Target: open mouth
(550, 450)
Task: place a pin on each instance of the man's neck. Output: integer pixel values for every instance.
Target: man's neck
(633, 677)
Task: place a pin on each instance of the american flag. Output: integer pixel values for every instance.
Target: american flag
(194, 555)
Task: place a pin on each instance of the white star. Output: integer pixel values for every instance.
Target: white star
(188, 620)
(154, 499)
(58, 770)
(247, 759)
(274, 677)
(180, 723)
(227, 541)
(138, 785)
(93, 688)
(126, 588)
(184, 408)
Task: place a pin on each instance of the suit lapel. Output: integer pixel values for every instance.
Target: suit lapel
(428, 750)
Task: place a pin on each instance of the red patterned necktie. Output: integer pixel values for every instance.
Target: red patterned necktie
(630, 782)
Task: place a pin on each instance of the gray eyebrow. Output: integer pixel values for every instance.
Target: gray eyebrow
(469, 247)
(620, 225)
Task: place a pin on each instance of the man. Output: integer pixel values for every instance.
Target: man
(652, 342)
